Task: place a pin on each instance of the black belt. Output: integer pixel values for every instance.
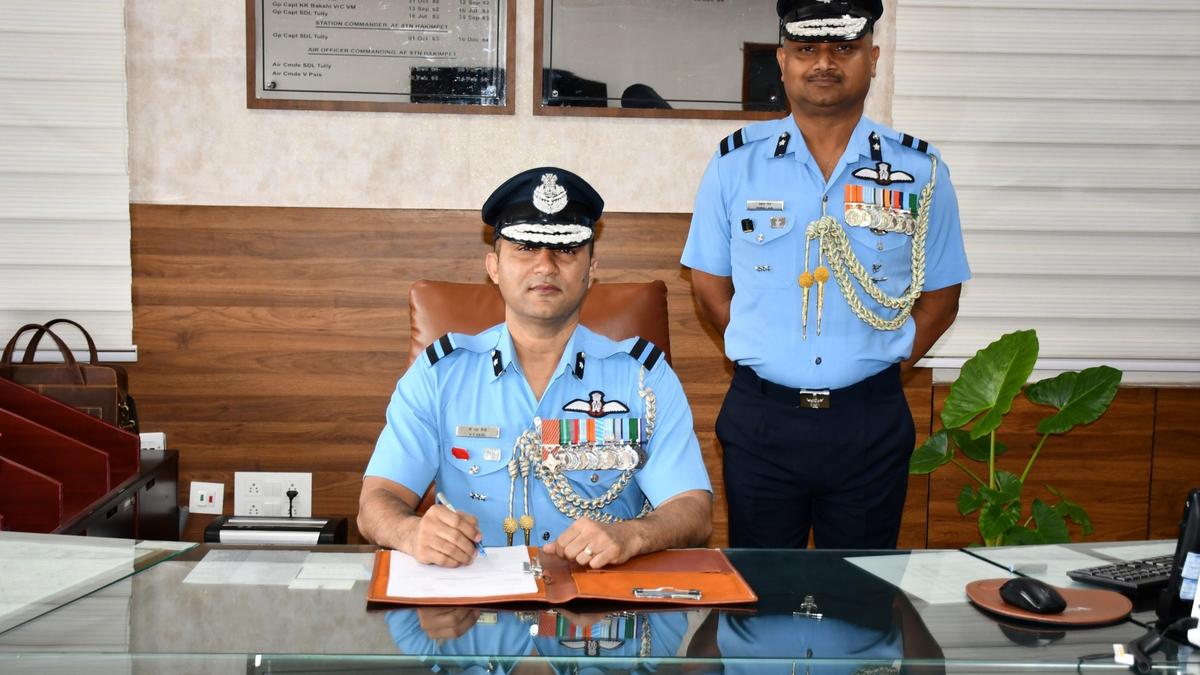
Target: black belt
(885, 381)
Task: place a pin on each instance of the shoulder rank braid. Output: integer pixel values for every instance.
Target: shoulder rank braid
(834, 246)
(447, 347)
(529, 457)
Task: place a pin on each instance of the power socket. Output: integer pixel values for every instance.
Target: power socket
(260, 493)
(206, 498)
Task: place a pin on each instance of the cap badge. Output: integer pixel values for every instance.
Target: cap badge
(550, 197)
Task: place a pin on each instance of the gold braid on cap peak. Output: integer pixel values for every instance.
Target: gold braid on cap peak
(835, 245)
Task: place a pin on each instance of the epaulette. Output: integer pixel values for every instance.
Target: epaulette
(747, 134)
(915, 143)
(645, 352)
(440, 348)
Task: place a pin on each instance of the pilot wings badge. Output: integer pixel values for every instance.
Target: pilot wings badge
(550, 197)
(882, 174)
(596, 406)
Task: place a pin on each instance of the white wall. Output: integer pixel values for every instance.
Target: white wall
(193, 141)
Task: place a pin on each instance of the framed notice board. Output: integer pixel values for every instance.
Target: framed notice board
(399, 56)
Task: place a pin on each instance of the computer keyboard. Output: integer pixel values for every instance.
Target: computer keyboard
(1133, 576)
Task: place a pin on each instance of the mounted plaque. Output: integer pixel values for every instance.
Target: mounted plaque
(401, 55)
(667, 58)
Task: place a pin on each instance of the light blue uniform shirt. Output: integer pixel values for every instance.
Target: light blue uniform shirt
(466, 383)
(751, 182)
(786, 636)
(502, 643)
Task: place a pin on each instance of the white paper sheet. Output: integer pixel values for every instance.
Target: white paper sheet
(247, 568)
(321, 584)
(352, 566)
(1048, 563)
(937, 577)
(500, 573)
(1139, 551)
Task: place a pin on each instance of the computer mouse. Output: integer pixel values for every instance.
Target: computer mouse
(1032, 595)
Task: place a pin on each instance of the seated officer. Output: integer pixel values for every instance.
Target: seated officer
(583, 444)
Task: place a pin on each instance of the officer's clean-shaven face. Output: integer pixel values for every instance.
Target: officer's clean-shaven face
(542, 284)
(827, 77)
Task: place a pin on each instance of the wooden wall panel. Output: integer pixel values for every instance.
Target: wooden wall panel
(1176, 458)
(918, 388)
(270, 340)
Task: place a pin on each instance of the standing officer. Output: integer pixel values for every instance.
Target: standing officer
(827, 249)
(539, 426)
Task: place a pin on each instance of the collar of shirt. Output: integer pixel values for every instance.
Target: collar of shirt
(582, 340)
(857, 147)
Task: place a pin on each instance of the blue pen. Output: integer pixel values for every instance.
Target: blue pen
(441, 499)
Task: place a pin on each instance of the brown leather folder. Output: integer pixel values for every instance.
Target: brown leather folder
(669, 577)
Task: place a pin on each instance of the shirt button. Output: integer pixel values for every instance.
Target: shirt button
(546, 536)
(818, 360)
(595, 477)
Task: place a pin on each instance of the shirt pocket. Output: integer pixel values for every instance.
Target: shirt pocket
(886, 257)
(592, 484)
(477, 457)
(764, 249)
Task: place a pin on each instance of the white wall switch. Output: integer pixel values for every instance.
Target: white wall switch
(207, 498)
(259, 493)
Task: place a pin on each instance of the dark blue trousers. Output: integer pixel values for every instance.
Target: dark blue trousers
(841, 471)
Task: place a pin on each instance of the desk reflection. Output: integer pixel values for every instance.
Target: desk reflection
(459, 633)
(866, 626)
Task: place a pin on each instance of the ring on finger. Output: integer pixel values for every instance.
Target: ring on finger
(587, 550)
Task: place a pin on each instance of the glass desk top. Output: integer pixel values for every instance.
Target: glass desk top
(41, 572)
(220, 608)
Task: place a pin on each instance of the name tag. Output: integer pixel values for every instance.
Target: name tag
(764, 204)
(476, 431)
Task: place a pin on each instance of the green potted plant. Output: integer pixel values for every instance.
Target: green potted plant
(974, 409)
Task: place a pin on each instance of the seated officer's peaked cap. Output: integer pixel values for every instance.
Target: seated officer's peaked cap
(827, 20)
(545, 207)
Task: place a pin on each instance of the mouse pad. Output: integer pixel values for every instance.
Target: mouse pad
(1085, 606)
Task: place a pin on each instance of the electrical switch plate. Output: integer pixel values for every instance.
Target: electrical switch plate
(206, 498)
(259, 493)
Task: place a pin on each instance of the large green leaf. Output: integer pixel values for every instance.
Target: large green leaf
(989, 381)
(1069, 509)
(996, 518)
(969, 500)
(934, 452)
(1008, 488)
(1081, 398)
(1022, 536)
(1050, 525)
(975, 448)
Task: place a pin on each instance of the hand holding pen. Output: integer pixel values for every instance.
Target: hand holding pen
(441, 499)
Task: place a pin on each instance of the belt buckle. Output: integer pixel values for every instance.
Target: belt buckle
(814, 399)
